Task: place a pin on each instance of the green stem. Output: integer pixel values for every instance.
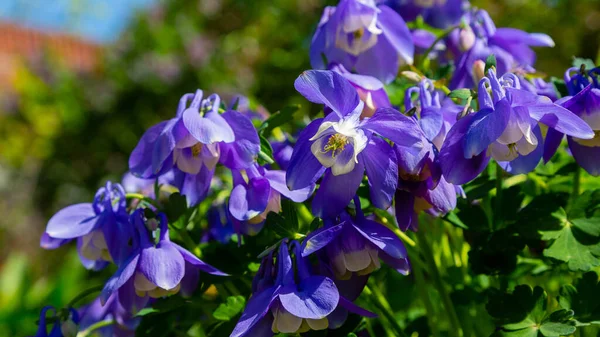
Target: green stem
(140, 196)
(84, 294)
(95, 326)
(576, 182)
(382, 304)
(422, 289)
(438, 283)
(439, 38)
(498, 204)
(186, 238)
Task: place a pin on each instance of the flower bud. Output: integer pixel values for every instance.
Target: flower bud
(466, 39)
(412, 76)
(69, 328)
(478, 70)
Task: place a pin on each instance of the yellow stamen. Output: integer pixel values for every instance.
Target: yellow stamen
(335, 144)
(358, 34)
(196, 149)
(512, 149)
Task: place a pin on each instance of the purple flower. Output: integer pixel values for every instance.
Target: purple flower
(101, 228)
(253, 198)
(439, 14)
(193, 143)
(282, 153)
(511, 47)
(290, 303)
(342, 146)
(124, 321)
(354, 246)
(505, 128)
(220, 225)
(363, 36)
(155, 268)
(585, 103)
(369, 89)
(133, 184)
(62, 327)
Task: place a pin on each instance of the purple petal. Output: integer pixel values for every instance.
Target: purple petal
(162, 265)
(304, 168)
(512, 35)
(404, 207)
(587, 157)
(335, 192)
(382, 237)
(242, 152)
(400, 265)
(277, 181)
(379, 159)
(141, 158)
(353, 308)
(380, 61)
(122, 275)
(257, 307)
(48, 242)
(196, 262)
(328, 88)
(246, 202)
(431, 121)
(321, 239)
(314, 298)
(485, 127)
(561, 120)
(128, 298)
(393, 125)
(73, 221)
(526, 164)
(455, 167)
(397, 33)
(195, 187)
(443, 197)
(551, 143)
(207, 129)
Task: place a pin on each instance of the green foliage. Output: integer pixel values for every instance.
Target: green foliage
(226, 311)
(583, 298)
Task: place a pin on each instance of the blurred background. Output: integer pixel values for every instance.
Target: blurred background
(82, 79)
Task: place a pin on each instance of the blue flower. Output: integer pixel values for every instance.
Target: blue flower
(439, 14)
(342, 146)
(124, 321)
(363, 36)
(62, 327)
(505, 128)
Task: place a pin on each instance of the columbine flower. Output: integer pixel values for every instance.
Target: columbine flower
(155, 268)
(363, 36)
(343, 147)
(193, 142)
(505, 128)
(290, 303)
(369, 89)
(124, 321)
(437, 13)
(585, 103)
(355, 246)
(257, 194)
(511, 47)
(63, 326)
(101, 228)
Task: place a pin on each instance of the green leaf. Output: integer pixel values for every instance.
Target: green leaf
(490, 62)
(265, 156)
(460, 93)
(583, 298)
(551, 329)
(233, 306)
(176, 210)
(579, 61)
(279, 225)
(277, 119)
(289, 212)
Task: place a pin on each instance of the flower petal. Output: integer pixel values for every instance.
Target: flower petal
(397, 33)
(122, 275)
(248, 201)
(335, 192)
(525, 164)
(328, 88)
(586, 156)
(379, 159)
(207, 129)
(277, 181)
(393, 125)
(162, 265)
(561, 120)
(382, 237)
(314, 298)
(243, 151)
(196, 262)
(551, 143)
(320, 239)
(304, 168)
(257, 307)
(73, 221)
(353, 308)
(141, 158)
(485, 127)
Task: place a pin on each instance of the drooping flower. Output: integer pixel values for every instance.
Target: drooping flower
(290, 300)
(342, 146)
(62, 327)
(363, 36)
(369, 89)
(354, 246)
(437, 13)
(193, 142)
(511, 47)
(506, 129)
(155, 268)
(101, 228)
(257, 194)
(124, 322)
(584, 102)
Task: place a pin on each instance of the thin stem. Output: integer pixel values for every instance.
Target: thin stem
(382, 304)
(93, 327)
(438, 283)
(84, 294)
(140, 196)
(439, 38)
(422, 289)
(498, 205)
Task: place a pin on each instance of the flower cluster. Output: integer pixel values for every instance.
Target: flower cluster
(404, 160)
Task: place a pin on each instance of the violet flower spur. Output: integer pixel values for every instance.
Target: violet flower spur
(511, 47)
(342, 146)
(354, 246)
(296, 301)
(370, 90)
(585, 103)
(253, 198)
(124, 322)
(363, 36)
(505, 128)
(61, 328)
(193, 142)
(437, 13)
(155, 268)
(101, 228)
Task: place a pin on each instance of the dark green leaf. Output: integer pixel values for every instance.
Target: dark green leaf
(460, 93)
(233, 306)
(266, 152)
(176, 210)
(579, 61)
(583, 298)
(279, 118)
(490, 62)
